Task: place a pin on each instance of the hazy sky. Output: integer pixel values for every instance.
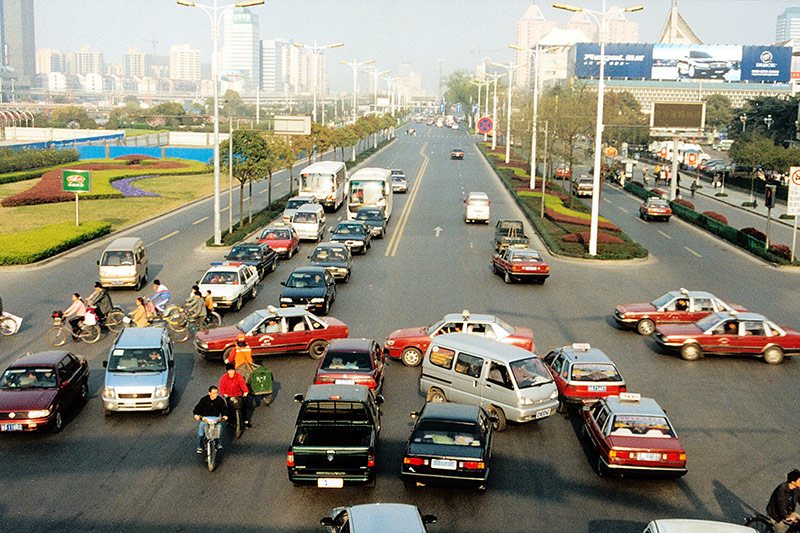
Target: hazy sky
(389, 31)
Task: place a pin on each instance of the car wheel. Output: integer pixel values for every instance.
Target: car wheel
(601, 469)
(317, 348)
(773, 355)
(346, 277)
(507, 277)
(227, 353)
(254, 292)
(58, 422)
(106, 412)
(500, 423)
(411, 356)
(274, 264)
(691, 71)
(646, 327)
(494, 268)
(691, 352)
(327, 307)
(238, 306)
(436, 396)
(562, 406)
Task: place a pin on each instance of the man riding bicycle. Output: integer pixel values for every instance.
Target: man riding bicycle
(232, 386)
(781, 506)
(211, 405)
(160, 297)
(197, 308)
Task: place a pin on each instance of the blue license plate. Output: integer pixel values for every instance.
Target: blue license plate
(10, 427)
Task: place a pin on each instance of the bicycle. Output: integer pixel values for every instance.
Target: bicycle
(113, 320)
(182, 331)
(9, 324)
(60, 332)
(238, 403)
(763, 523)
(210, 440)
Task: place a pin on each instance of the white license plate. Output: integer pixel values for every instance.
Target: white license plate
(10, 427)
(330, 483)
(642, 456)
(543, 413)
(116, 283)
(531, 268)
(444, 464)
(345, 382)
(597, 388)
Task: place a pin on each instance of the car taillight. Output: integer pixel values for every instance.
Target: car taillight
(618, 454)
(369, 382)
(371, 458)
(473, 465)
(413, 461)
(290, 459)
(320, 381)
(673, 457)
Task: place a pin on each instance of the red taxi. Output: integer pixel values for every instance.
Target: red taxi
(281, 238)
(563, 171)
(352, 362)
(655, 208)
(582, 372)
(272, 331)
(518, 262)
(632, 434)
(730, 333)
(680, 306)
(409, 344)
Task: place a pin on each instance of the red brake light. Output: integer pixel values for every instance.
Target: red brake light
(414, 461)
(474, 465)
(371, 458)
(290, 459)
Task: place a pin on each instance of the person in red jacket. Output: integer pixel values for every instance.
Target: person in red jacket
(232, 385)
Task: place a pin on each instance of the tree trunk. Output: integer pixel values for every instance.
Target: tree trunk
(241, 204)
(250, 204)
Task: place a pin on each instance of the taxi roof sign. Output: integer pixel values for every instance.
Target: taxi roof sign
(629, 396)
(465, 314)
(272, 309)
(582, 346)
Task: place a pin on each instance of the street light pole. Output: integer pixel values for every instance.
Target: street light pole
(355, 65)
(534, 52)
(510, 68)
(494, 77)
(768, 121)
(215, 12)
(315, 53)
(743, 119)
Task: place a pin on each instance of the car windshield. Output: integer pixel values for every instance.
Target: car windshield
(641, 426)
(311, 182)
(302, 280)
(369, 214)
(117, 258)
(661, 301)
(136, 360)
(348, 229)
(28, 378)
(294, 203)
(328, 254)
(273, 234)
(346, 361)
(595, 372)
(530, 372)
(710, 321)
(398, 179)
(366, 191)
(478, 200)
(433, 327)
(503, 324)
(525, 256)
(242, 252)
(448, 433)
(220, 278)
(250, 321)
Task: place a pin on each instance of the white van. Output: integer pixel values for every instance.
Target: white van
(124, 263)
(477, 207)
(325, 181)
(369, 187)
(680, 525)
(309, 222)
(509, 382)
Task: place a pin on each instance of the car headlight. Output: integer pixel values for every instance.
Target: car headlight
(38, 414)
(283, 249)
(203, 345)
(554, 394)
(108, 393)
(286, 300)
(161, 392)
(389, 343)
(317, 300)
(526, 401)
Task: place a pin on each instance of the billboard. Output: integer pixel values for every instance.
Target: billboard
(685, 62)
(678, 115)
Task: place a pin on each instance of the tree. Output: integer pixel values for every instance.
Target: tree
(232, 104)
(719, 112)
(623, 120)
(321, 136)
(783, 114)
(73, 114)
(276, 154)
(460, 90)
(250, 161)
(171, 114)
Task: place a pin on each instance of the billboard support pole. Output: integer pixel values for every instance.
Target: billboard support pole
(794, 237)
(77, 223)
(673, 183)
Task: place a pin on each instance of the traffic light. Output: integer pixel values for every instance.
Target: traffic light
(769, 196)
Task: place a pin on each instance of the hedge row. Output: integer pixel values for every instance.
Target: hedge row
(13, 160)
(636, 189)
(47, 241)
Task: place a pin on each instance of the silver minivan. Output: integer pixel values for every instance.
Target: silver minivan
(508, 381)
(140, 372)
(477, 207)
(124, 263)
(309, 222)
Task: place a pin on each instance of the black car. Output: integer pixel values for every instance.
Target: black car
(255, 254)
(313, 287)
(354, 235)
(375, 220)
(450, 444)
(335, 258)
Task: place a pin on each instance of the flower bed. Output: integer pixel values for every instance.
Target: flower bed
(716, 216)
(567, 219)
(684, 203)
(756, 234)
(130, 191)
(584, 236)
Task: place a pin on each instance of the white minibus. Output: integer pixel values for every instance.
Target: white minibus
(369, 187)
(325, 181)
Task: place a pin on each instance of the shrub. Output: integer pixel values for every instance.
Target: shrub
(13, 160)
(756, 234)
(782, 251)
(584, 236)
(638, 184)
(47, 241)
(716, 216)
(684, 203)
(748, 204)
(721, 195)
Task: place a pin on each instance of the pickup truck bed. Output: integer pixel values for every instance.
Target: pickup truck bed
(332, 437)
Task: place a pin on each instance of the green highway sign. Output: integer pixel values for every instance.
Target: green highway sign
(76, 180)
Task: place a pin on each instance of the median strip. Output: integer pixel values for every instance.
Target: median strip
(391, 250)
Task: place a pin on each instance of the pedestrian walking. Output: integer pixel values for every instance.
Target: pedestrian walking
(693, 187)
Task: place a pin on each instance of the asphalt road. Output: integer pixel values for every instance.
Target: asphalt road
(139, 472)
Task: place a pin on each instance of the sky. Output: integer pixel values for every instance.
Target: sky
(389, 31)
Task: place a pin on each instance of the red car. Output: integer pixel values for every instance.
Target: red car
(409, 344)
(271, 331)
(655, 208)
(582, 372)
(680, 306)
(518, 262)
(36, 390)
(728, 333)
(457, 153)
(632, 434)
(281, 238)
(352, 362)
(563, 171)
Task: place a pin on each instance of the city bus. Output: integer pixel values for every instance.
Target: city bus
(326, 181)
(369, 187)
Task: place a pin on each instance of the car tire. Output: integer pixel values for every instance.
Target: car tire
(254, 292)
(691, 352)
(646, 327)
(601, 469)
(274, 264)
(107, 412)
(507, 277)
(562, 406)
(411, 356)
(317, 348)
(326, 309)
(58, 422)
(501, 423)
(238, 306)
(436, 396)
(773, 355)
(346, 277)
(494, 268)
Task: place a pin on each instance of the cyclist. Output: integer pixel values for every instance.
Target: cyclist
(78, 308)
(232, 385)
(197, 308)
(160, 297)
(210, 405)
(781, 506)
(209, 302)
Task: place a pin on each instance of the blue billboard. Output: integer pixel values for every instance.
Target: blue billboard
(622, 60)
(766, 63)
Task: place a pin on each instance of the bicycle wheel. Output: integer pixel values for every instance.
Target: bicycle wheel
(173, 314)
(180, 335)
(90, 334)
(56, 336)
(213, 320)
(7, 326)
(114, 321)
(239, 425)
(760, 523)
(178, 321)
(211, 455)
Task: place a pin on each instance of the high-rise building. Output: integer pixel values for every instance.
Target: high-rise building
(788, 26)
(136, 63)
(271, 65)
(241, 46)
(48, 61)
(530, 28)
(184, 63)
(17, 38)
(84, 61)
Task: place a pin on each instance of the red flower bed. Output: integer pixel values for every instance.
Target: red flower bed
(781, 250)
(584, 236)
(538, 185)
(684, 203)
(637, 183)
(514, 164)
(135, 157)
(658, 192)
(753, 232)
(716, 216)
(566, 219)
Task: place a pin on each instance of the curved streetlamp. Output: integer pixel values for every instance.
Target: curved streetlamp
(315, 52)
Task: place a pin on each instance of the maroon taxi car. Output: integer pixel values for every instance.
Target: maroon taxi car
(36, 389)
(654, 209)
(518, 262)
(581, 373)
(409, 344)
(281, 238)
(272, 331)
(632, 434)
(728, 333)
(352, 362)
(680, 306)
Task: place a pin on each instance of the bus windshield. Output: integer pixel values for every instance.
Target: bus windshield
(366, 192)
(314, 182)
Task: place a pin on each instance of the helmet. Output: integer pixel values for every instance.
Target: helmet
(240, 337)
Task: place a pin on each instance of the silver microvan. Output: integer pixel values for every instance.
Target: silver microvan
(124, 263)
(510, 382)
(477, 207)
(309, 222)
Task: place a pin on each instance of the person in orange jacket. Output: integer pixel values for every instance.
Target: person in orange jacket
(241, 354)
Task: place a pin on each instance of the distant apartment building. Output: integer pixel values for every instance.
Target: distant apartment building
(84, 61)
(788, 26)
(136, 63)
(530, 28)
(618, 28)
(17, 38)
(48, 61)
(184, 63)
(241, 47)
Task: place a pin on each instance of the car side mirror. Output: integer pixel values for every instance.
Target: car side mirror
(65, 384)
(429, 519)
(98, 261)
(298, 397)
(326, 521)
(283, 283)
(309, 257)
(379, 399)
(105, 364)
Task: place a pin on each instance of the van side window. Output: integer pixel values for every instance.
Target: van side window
(469, 365)
(557, 365)
(442, 357)
(498, 374)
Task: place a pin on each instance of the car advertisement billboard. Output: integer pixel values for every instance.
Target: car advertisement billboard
(685, 62)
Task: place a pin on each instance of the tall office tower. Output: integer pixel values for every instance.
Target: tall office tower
(17, 38)
(136, 63)
(271, 65)
(530, 28)
(184, 63)
(85, 61)
(788, 26)
(48, 61)
(241, 46)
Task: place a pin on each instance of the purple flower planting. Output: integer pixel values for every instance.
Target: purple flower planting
(129, 191)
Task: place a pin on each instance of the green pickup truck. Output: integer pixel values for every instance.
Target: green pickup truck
(508, 232)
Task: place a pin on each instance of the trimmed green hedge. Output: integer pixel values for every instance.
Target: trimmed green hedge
(47, 241)
(636, 190)
(24, 175)
(13, 160)
(260, 218)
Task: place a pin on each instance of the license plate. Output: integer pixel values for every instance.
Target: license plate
(543, 413)
(531, 268)
(116, 283)
(642, 456)
(444, 464)
(10, 427)
(597, 388)
(345, 382)
(330, 483)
